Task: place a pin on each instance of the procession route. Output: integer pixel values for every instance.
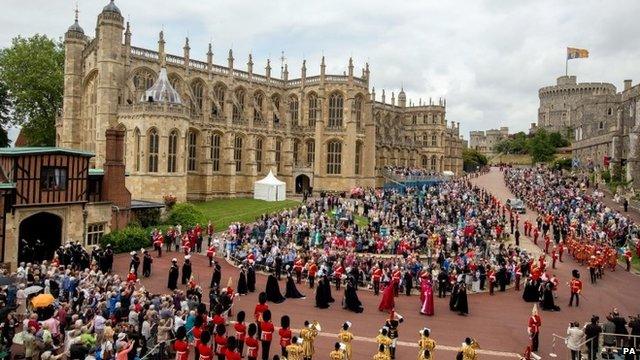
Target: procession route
(438, 346)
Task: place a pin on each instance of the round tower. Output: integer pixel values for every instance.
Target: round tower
(110, 65)
(69, 130)
(402, 98)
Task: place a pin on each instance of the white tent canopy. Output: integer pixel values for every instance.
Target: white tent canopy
(270, 189)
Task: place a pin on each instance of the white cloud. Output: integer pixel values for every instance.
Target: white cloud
(488, 58)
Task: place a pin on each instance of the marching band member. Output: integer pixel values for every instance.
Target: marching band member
(345, 337)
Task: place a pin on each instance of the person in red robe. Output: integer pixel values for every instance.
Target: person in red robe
(426, 296)
(387, 303)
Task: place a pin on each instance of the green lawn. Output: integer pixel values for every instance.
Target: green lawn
(226, 211)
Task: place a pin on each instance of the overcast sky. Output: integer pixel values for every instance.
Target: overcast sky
(488, 58)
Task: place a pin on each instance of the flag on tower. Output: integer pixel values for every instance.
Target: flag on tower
(575, 53)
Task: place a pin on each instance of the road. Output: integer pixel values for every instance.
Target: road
(497, 322)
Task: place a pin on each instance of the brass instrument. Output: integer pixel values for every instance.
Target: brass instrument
(474, 344)
(315, 324)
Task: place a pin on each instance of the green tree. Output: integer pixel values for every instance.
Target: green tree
(557, 140)
(33, 70)
(540, 147)
(6, 104)
(472, 159)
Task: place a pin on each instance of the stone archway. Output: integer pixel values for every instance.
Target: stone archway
(303, 184)
(39, 235)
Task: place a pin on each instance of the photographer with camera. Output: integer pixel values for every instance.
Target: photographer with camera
(592, 332)
(575, 338)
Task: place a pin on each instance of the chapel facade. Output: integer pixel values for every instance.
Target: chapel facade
(199, 130)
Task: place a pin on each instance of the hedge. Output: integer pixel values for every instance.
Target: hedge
(126, 240)
(186, 215)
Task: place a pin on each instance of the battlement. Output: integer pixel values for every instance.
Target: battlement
(567, 85)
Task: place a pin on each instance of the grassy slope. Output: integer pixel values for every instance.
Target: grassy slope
(225, 211)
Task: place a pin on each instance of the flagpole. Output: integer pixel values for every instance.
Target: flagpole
(566, 66)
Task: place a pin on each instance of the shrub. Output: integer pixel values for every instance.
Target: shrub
(127, 239)
(169, 201)
(186, 215)
(148, 217)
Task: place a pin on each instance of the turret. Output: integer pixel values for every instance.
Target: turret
(322, 69)
(127, 36)
(383, 97)
(285, 73)
(110, 73)
(161, 54)
(230, 61)
(250, 65)
(350, 67)
(210, 57)
(186, 51)
(402, 98)
(74, 43)
(373, 93)
(267, 69)
(303, 71)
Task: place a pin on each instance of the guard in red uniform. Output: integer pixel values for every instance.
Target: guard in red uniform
(181, 346)
(241, 331)
(285, 334)
(211, 252)
(337, 276)
(536, 233)
(554, 257)
(267, 334)
(560, 251)
(547, 242)
(297, 268)
(204, 350)
(628, 256)
(376, 275)
(251, 342)
(312, 270)
(576, 287)
(231, 352)
(533, 328)
(157, 244)
(220, 341)
(210, 230)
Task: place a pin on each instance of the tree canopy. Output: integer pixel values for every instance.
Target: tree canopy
(33, 71)
(472, 159)
(541, 146)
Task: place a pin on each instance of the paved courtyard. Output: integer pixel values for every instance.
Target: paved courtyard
(497, 322)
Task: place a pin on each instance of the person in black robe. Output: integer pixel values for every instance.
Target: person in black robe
(327, 289)
(251, 279)
(462, 305)
(217, 275)
(530, 292)
(242, 282)
(173, 275)
(186, 269)
(548, 302)
(146, 264)
(108, 259)
(322, 301)
(135, 262)
(273, 290)
(454, 297)
(351, 300)
(408, 283)
(291, 289)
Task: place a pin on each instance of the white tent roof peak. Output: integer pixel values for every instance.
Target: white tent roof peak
(270, 179)
(162, 90)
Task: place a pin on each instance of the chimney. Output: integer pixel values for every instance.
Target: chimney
(627, 84)
(113, 187)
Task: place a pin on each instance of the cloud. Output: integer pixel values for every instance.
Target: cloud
(488, 58)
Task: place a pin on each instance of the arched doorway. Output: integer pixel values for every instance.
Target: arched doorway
(302, 184)
(42, 226)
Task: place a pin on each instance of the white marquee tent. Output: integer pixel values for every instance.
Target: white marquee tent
(270, 189)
